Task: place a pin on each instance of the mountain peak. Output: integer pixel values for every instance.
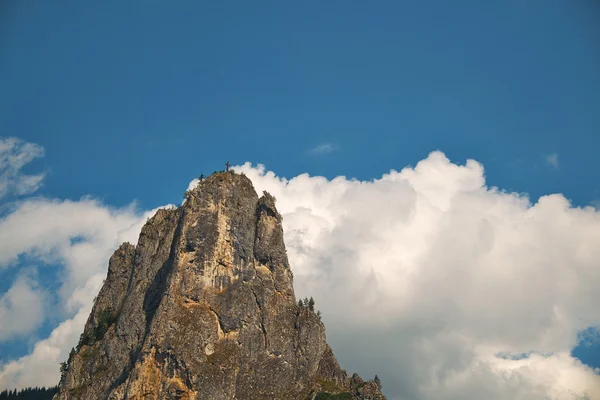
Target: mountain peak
(204, 308)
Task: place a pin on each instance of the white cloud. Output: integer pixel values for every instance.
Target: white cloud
(14, 155)
(424, 277)
(192, 185)
(434, 274)
(21, 308)
(80, 235)
(77, 237)
(41, 367)
(552, 160)
(322, 149)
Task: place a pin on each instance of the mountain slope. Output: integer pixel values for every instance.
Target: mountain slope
(204, 308)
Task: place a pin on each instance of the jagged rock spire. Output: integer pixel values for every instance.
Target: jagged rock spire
(204, 308)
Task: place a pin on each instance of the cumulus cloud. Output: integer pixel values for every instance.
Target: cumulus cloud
(21, 308)
(322, 149)
(552, 160)
(77, 237)
(14, 155)
(40, 367)
(427, 277)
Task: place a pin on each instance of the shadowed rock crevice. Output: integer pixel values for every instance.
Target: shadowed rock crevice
(155, 292)
(261, 318)
(204, 308)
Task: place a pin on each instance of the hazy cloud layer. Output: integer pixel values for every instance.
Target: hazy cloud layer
(14, 155)
(552, 160)
(445, 288)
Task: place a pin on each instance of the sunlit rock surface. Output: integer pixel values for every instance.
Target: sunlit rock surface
(204, 308)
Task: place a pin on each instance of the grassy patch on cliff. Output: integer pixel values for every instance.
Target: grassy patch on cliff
(329, 386)
(329, 390)
(89, 353)
(105, 320)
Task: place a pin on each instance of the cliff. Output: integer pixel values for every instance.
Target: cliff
(204, 308)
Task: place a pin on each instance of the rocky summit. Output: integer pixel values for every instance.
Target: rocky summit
(204, 308)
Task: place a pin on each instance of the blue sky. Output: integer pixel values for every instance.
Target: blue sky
(141, 96)
(132, 100)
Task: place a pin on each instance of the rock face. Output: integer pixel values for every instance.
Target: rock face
(204, 308)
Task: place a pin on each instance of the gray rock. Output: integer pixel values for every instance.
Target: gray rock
(204, 308)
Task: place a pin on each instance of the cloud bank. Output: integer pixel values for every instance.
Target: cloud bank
(444, 287)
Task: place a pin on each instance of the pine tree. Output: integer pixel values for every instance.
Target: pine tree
(377, 382)
(311, 304)
(63, 367)
(36, 393)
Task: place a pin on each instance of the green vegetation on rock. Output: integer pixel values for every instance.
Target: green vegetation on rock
(105, 320)
(338, 396)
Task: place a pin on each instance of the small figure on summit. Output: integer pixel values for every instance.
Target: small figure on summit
(227, 165)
